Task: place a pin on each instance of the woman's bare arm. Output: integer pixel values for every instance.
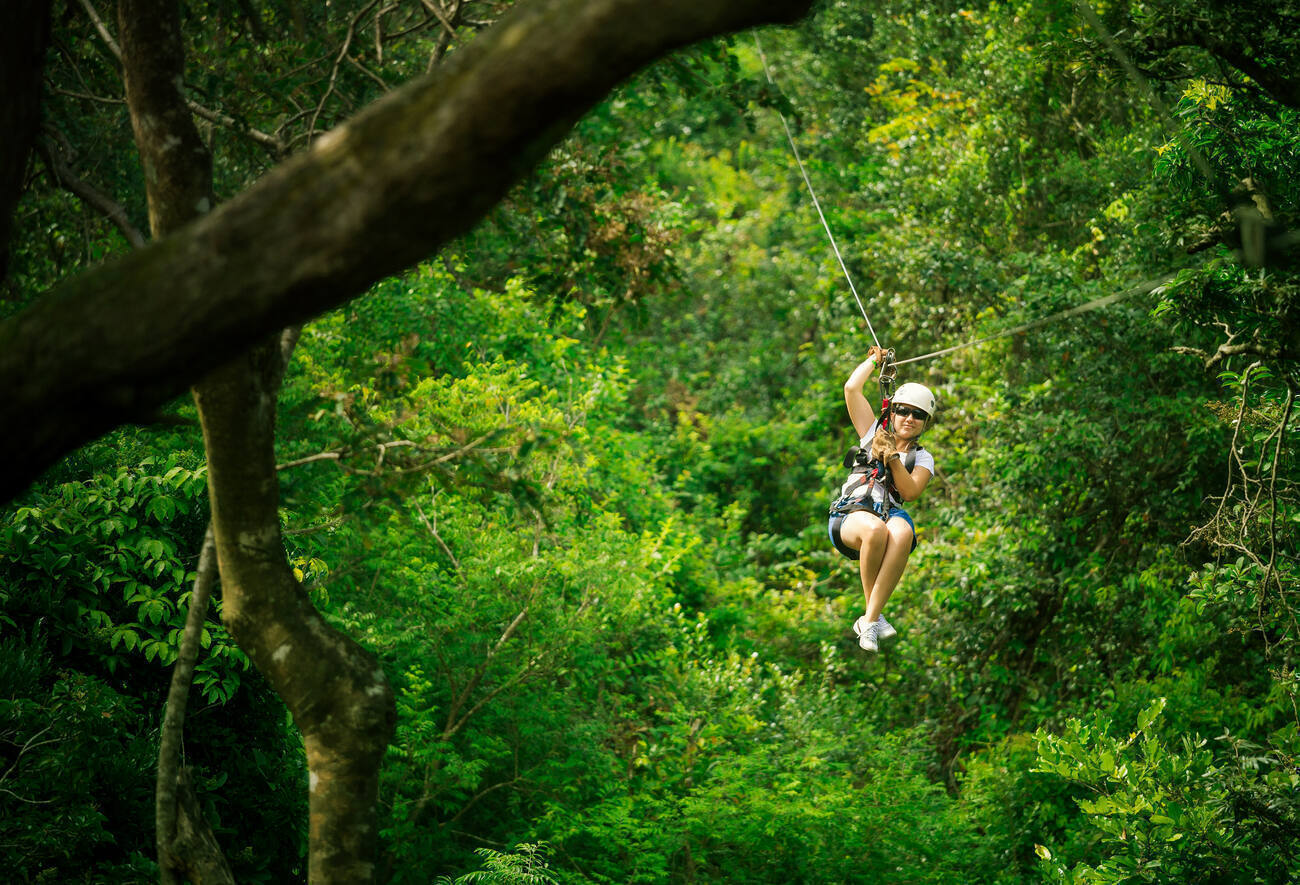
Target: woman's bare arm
(909, 485)
(860, 411)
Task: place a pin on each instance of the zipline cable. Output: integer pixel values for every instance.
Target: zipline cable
(1198, 159)
(794, 149)
(1282, 241)
(1142, 289)
(1194, 154)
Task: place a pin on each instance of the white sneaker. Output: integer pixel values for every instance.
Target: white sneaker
(868, 638)
(884, 629)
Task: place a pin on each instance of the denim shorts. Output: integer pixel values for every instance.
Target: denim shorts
(837, 521)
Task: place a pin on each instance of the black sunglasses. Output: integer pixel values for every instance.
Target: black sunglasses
(905, 412)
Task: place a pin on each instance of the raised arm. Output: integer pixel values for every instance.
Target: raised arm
(860, 411)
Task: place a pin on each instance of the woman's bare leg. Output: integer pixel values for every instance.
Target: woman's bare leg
(898, 548)
(866, 533)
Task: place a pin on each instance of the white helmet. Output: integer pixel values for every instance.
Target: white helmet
(915, 395)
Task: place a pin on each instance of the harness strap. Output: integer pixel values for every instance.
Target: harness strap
(860, 462)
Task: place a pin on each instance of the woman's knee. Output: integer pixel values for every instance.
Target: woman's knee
(863, 529)
(900, 532)
(874, 533)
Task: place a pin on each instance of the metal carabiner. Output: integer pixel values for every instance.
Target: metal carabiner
(888, 372)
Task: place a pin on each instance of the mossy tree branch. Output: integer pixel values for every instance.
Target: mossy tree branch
(375, 195)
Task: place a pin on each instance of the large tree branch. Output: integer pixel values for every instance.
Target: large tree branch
(372, 197)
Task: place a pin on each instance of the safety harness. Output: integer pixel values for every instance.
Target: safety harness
(865, 472)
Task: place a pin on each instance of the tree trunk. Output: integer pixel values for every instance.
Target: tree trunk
(337, 692)
(194, 847)
(178, 182)
(186, 844)
(24, 32)
(373, 196)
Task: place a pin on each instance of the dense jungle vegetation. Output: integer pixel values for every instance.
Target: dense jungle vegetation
(566, 479)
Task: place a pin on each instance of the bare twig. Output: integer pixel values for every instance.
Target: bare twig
(472, 445)
(481, 794)
(437, 537)
(310, 459)
(1229, 349)
(1277, 458)
(379, 31)
(1236, 433)
(1252, 503)
(276, 145)
(25, 799)
(64, 175)
(487, 698)
(30, 744)
(441, 15)
(381, 450)
(453, 725)
(312, 529)
(338, 61)
(104, 34)
(1236, 455)
(415, 28)
(86, 96)
(369, 73)
(469, 446)
(449, 22)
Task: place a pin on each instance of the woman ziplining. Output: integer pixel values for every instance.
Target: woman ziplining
(867, 521)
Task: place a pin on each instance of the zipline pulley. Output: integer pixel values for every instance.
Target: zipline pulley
(888, 374)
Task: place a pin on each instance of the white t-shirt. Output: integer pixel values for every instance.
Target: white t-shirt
(923, 459)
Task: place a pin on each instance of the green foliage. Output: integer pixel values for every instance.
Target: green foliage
(105, 566)
(743, 755)
(1177, 812)
(525, 865)
(94, 583)
(568, 478)
(73, 748)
